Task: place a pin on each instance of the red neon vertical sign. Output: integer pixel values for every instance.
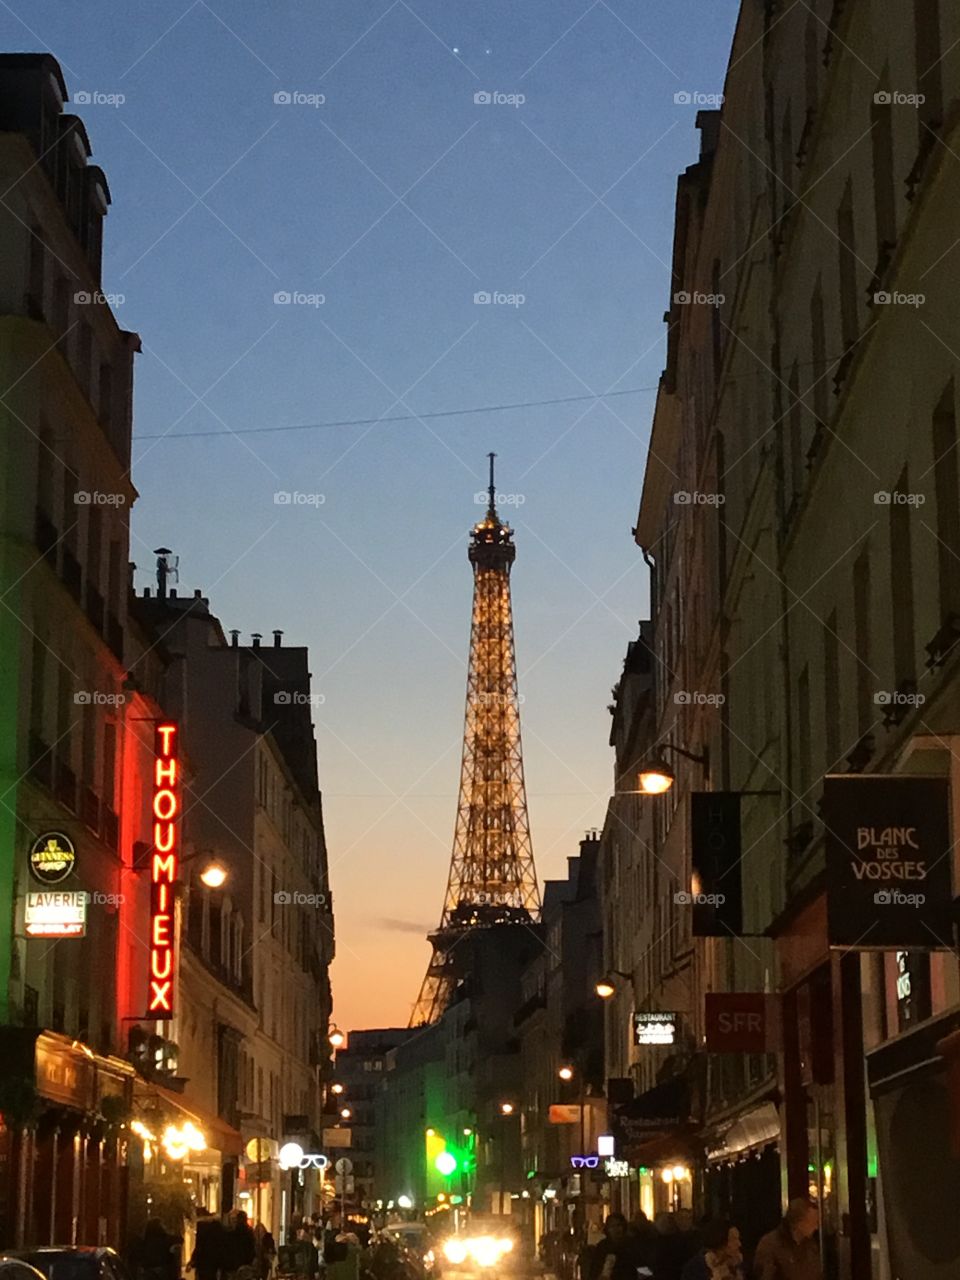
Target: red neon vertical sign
(164, 865)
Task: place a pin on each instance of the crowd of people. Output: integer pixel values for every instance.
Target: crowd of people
(226, 1248)
(674, 1247)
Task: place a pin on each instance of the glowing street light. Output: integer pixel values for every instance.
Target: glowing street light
(337, 1038)
(605, 989)
(345, 1113)
(656, 777)
(336, 1088)
(214, 875)
(506, 1108)
(565, 1073)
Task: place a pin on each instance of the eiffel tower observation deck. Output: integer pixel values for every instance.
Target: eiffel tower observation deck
(492, 876)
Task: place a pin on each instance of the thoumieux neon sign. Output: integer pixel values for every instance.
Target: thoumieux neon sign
(164, 865)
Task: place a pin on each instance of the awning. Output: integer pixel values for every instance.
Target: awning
(220, 1136)
(754, 1128)
(668, 1148)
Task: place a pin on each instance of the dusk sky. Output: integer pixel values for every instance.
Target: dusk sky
(335, 154)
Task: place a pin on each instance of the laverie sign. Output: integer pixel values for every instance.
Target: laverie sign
(889, 861)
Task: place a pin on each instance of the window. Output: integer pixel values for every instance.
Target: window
(831, 690)
(926, 25)
(819, 347)
(861, 632)
(901, 587)
(846, 249)
(948, 501)
(884, 186)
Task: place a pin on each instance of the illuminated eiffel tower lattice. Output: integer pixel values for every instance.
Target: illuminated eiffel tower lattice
(492, 876)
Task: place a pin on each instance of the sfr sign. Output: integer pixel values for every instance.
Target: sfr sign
(741, 1022)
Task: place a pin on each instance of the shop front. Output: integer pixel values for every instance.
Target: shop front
(741, 1177)
(915, 1086)
(183, 1161)
(63, 1145)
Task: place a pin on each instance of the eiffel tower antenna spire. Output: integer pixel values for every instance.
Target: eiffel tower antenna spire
(492, 875)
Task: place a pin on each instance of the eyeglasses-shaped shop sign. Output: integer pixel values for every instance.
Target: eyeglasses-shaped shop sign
(889, 861)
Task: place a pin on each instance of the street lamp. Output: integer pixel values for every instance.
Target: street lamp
(565, 1073)
(336, 1088)
(606, 987)
(214, 875)
(506, 1108)
(345, 1113)
(337, 1038)
(656, 775)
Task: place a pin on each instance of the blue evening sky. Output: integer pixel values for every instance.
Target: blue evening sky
(397, 199)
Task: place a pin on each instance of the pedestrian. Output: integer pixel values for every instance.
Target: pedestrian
(790, 1252)
(266, 1253)
(240, 1247)
(643, 1236)
(154, 1255)
(207, 1257)
(612, 1258)
(720, 1256)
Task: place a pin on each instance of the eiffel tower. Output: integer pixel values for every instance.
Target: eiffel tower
(492, 876)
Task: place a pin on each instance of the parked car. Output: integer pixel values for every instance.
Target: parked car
(64, 1262)
(17, 1269)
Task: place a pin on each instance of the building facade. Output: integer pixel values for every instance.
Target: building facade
(254, 1008)
(800, 512)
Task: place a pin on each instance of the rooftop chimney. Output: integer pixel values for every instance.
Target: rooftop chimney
(277, 639)
(234, 639)
(256, 637)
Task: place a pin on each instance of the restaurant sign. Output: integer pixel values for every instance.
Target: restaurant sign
(889, 856)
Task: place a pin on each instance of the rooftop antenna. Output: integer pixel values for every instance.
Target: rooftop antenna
(492, 509)
(167, 569)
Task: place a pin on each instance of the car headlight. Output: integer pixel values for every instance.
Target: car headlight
(455, 1251)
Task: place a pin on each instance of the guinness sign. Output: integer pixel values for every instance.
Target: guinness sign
(889, 856)
(52, 857)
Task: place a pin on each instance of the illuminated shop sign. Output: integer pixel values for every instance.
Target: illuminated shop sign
(163, 870)
(52, 857)
(655, 1028)
(617, 1168)
(56, 915)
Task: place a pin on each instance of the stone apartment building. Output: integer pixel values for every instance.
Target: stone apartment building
(804, 606)
(71, 760)
(254, 1013)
